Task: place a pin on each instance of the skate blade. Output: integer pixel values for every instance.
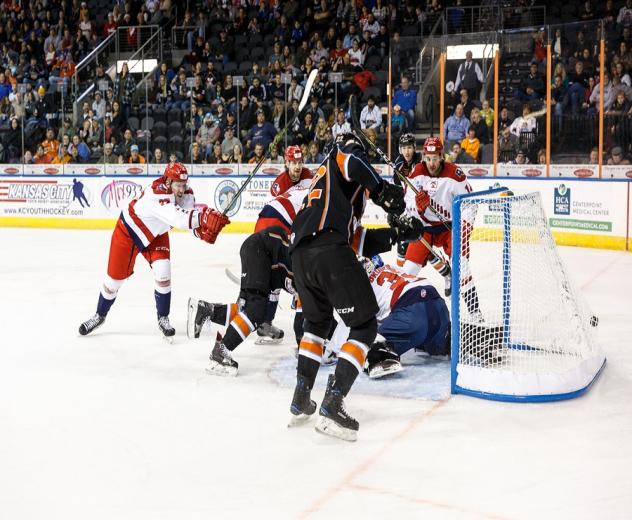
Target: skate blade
(381, 371)
(298, 420)
(326, 426)
(191, 311)
(168, 339)
(215, 369)
(268, 341)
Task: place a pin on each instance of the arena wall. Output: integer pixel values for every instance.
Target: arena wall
(582, 210)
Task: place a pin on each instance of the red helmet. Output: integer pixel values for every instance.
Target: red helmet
(176, 172)
(433, 145)
(293, 153)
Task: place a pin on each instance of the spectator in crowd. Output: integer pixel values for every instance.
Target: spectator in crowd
(229, 141)
(50, 144)
(306, 130)
(466, 102)
(237, 155)
(83, 151)
(521, 158)
(158, 157)
(593, 158)
(274, 157)
(398, 121)
(577, 84)
(471, 144)
(261, 133)
(542, 156)
(341, 126)
(505, 119)
(532, 86)
(406, 98)
(313, 155)
(371, 115)
(523, 123)
(196, 154)
(558, 99)
(480, 127)
(216, 157)
(457, 155)
(469, 76)
(608, 97)
(99, 105)
(124, 87)
(208, 134)
(624, 18)
(616, 157)
(258, 154)
(507, 144)
(322, 134)
(109, 157)
(455, 127)
(538, 47)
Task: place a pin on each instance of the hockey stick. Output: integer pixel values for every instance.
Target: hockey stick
(277, 139)
(384, 157)
(354, 119)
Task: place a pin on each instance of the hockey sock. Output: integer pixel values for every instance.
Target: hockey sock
(310, 354)
(442, 267)
(103, 307)
(239, 329)
(163, 303)
(350, 362)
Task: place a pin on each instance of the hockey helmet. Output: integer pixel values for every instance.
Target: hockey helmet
(350, 140)
(176, 172)
(293, 153)
(433, 145)
(406, 139)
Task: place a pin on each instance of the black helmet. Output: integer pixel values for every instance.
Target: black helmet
(350, 140)
(406, 139)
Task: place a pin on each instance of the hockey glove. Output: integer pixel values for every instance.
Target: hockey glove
(211, 223)
(390, 198)
(405, 228)
(422, 201)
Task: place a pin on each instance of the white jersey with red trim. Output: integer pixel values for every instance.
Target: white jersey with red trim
(442, 190)
(155, 212)
(389, 284)
(285, 207)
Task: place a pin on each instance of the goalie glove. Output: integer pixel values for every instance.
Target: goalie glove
(211, 223)
(390, 198)
(405, 228)
(422, 201)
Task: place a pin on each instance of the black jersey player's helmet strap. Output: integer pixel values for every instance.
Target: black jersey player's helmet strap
(350, 140)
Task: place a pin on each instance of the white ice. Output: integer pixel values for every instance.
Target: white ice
(121, 425)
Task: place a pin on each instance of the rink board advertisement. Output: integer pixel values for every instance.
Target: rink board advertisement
(583, 213)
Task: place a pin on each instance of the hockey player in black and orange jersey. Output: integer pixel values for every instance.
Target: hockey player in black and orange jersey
(405, 162)
(265, 267)
(295, 172)
(438, 183)
(328, 276)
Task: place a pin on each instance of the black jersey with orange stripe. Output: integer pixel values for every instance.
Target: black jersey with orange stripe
(336, 197)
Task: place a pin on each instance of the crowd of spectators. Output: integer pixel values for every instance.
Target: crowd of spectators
(195, 112)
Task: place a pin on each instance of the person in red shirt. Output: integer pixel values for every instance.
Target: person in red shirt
(295, 172)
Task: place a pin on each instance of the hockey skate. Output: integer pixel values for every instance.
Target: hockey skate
(382, 361)
(334, 419)
(221, 362)
(168, 332)
(268, 334)
(93, 323)
(198, 313)
(302, 407)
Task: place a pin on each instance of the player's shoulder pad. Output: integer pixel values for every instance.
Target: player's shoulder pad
(452, 171)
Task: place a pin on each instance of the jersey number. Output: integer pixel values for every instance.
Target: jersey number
(315, 194)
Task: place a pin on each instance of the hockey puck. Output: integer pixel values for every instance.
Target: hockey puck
(594, 321)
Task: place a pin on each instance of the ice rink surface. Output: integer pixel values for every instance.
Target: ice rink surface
(121, 425)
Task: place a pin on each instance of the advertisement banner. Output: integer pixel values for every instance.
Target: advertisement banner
(478, 170)
(579, 171)
(521, 170)
(617, 172)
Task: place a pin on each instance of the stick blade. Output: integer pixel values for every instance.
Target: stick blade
(308, 89)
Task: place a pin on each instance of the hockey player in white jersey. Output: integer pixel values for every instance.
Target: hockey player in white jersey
(438, 183)
(411, 314)
(143, 227)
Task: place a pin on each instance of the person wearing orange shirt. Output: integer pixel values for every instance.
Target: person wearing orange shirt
(471, 145)
(50, 144)
(135, 157)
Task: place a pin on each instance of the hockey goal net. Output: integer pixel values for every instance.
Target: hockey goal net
(520, 330)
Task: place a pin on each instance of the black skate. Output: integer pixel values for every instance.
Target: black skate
(168, 332)
(93, 323)
(302, 407)
(268, 334)
(221, 362)
(334, 419)
(382, 361)
(198, 313)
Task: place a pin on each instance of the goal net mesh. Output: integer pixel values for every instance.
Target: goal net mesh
(523, 329)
